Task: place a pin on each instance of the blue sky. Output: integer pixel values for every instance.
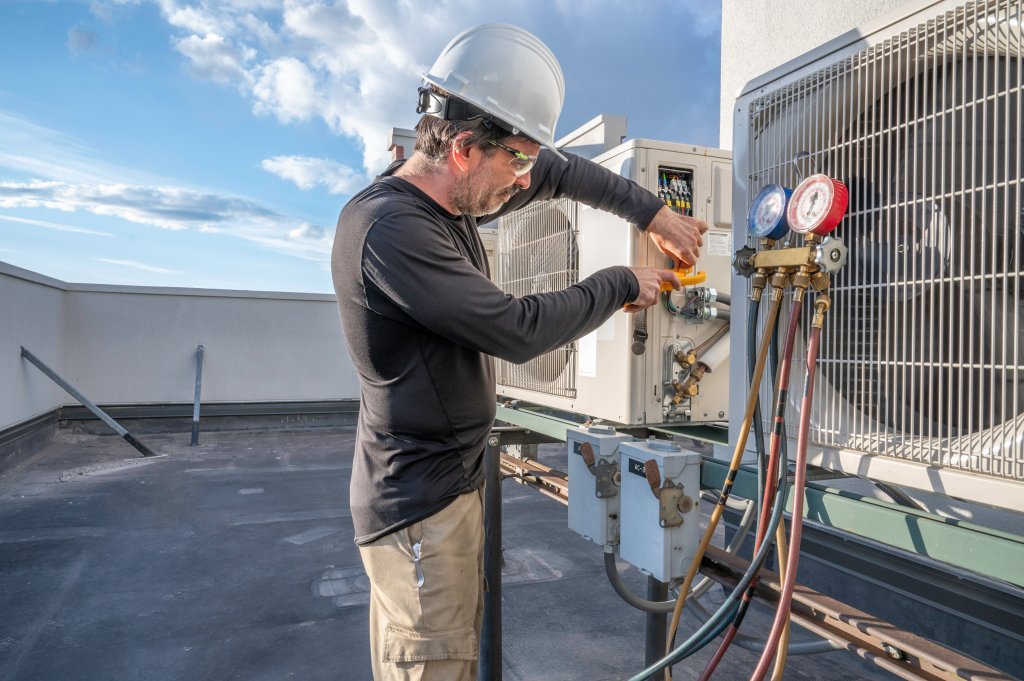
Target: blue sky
(212, 144)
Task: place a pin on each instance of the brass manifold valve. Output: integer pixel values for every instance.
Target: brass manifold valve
(817, 256)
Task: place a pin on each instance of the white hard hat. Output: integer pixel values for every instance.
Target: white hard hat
(506, 73)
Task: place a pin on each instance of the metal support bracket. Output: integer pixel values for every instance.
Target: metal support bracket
(87, 403)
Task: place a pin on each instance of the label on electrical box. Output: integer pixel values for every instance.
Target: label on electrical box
(637, 468)
(577, 447)
(719, 242)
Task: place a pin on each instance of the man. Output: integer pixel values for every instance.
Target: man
(423, 321)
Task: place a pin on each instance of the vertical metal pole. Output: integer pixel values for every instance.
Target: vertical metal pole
(195, 404)
(490, 635)
(87, 403)
(656, 625)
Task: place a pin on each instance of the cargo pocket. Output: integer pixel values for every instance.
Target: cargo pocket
(405, 645)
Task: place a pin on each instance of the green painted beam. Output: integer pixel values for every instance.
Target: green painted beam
(538, 420)
(979, 549)
(546, 424)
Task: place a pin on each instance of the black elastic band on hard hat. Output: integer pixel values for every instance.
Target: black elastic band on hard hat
(451, 108)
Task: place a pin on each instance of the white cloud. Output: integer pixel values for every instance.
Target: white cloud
(138, 266)
(53, 225)
(173, 208)
(215, 58)
(287, 89)
(75, 180)
(354, 64)
(35, 150)
(194, 19)
(307, 173)
(308, 231)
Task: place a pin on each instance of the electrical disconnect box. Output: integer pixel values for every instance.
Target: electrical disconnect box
(593, 490)
(659, 515)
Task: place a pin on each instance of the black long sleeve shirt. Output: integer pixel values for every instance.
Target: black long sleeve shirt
(423, 320)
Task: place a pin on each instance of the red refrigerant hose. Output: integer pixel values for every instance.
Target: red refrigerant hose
(775, 446)
(800, 481)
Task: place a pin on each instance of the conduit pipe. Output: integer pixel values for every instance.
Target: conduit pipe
(664, 607)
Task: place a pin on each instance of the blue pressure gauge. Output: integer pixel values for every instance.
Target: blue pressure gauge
(767, 216)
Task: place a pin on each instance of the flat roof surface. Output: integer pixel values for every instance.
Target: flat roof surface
(235, 560)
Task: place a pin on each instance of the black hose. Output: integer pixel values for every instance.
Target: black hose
(809, 646)
(728, 608)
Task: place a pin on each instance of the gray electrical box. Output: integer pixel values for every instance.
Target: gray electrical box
(659, 514)
(593, 489)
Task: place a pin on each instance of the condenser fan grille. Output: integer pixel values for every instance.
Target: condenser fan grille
(923, 351)
(537, 253)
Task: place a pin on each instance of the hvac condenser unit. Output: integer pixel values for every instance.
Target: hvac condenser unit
(639, 368)
(921, 368)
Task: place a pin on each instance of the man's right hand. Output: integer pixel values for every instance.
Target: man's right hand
(650, 280)
(677, 236)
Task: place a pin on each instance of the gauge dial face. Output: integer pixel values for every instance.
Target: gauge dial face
(767, 216)
(817, 205)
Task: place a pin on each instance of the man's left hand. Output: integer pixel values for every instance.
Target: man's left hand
(677, 236)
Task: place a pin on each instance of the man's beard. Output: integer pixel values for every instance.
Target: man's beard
(476, 198)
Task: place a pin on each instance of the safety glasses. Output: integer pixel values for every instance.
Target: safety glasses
(521, 163)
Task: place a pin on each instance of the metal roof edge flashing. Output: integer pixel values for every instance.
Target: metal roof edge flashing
(854, 38)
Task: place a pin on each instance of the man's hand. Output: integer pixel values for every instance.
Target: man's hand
(650, 286)
(677, 236)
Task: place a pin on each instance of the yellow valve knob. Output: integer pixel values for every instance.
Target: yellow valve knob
(690, 277)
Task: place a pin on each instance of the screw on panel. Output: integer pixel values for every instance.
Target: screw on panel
(893, 652)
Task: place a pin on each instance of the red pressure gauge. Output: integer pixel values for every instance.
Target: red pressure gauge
(817, 206)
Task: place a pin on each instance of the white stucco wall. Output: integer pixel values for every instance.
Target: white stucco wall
(31, 315)
(136, 345)
(758, 36)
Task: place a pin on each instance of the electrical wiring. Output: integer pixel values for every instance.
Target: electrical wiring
(752, 398)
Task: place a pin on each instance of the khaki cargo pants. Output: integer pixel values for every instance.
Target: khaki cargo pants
(426, 603)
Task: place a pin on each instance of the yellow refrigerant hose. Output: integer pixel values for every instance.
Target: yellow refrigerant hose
(778, 283)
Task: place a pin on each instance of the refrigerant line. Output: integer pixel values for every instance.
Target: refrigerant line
(726, 611)
(778, 422)
(821, 305)
(778, 283)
